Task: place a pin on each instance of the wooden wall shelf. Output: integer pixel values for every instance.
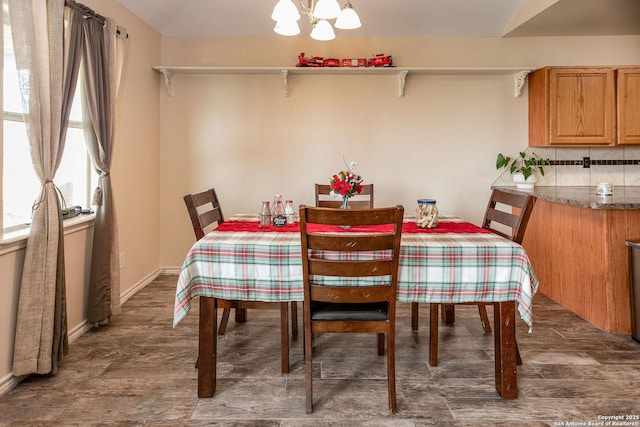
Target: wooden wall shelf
(519, 73)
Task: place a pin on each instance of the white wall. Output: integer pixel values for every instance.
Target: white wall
(239, 134)
(11, 268)
(242, 136)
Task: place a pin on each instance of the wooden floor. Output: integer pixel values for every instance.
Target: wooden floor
(140, 371)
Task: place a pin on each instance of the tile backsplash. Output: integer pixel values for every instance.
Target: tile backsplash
(585, 166)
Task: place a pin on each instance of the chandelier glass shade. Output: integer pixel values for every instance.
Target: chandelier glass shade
(322, 31)
(326, 9)
(287, 28)
(348, 18)
(286, 15)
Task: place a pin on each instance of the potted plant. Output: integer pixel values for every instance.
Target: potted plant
(523, 167)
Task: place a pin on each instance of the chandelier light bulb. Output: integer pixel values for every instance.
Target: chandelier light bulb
(348, 18)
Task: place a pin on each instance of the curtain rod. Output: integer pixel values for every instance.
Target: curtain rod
(90, 13)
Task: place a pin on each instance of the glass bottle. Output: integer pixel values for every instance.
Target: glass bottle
(277, 198)
(290, 212)
(265, 214)
(278, 217)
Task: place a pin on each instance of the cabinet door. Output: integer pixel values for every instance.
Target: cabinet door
(582, 106)
(628, 105)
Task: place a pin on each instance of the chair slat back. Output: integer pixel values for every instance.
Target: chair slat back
(364, 200)
(510, 210)
(204, 210)
(337, 254)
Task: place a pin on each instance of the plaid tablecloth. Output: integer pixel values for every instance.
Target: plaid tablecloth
(434, 268)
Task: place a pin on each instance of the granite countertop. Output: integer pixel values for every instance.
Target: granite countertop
(585, 196)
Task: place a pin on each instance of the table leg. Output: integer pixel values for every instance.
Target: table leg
(284, 337)
(207, 343)
(448, 314)
(294, 318)
(504, 318)
(241, 315)
(414, 316)
(433, 334)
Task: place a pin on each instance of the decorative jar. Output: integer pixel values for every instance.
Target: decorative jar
(427, 213)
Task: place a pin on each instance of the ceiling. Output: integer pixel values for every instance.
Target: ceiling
(403, 18)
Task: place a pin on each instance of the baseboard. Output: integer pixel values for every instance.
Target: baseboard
(170, 271)
(78, 331)
(140, 285)
(9, 381)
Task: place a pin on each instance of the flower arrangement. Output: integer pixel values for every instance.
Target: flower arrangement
(346, 184)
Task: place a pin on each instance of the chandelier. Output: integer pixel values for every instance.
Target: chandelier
(286, 16)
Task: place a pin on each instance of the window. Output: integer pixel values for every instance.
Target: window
(20, 187)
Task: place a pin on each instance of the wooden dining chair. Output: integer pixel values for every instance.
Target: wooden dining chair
(205, 213)
(330, 265)
(364, 200)
(507, 215)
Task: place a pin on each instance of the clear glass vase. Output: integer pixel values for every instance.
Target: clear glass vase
(345, 205)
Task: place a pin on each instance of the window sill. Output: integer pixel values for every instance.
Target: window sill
(17, 240)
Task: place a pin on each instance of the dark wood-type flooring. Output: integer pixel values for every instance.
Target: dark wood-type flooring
(139, 370)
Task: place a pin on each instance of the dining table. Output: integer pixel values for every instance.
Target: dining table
(455, 262)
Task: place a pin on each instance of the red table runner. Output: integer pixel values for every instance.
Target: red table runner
(407, 227)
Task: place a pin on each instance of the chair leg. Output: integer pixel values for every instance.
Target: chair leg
(304, 348)
(486, 325)
(284, 337)
(391, 371)
(294, 319)
(380, 344)
(223, 321)
(414, 316)
(308, 363)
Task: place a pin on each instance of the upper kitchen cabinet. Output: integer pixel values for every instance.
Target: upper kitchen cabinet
(628, 105)
(575, 106)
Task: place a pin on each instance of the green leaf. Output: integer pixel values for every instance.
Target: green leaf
(502, 161)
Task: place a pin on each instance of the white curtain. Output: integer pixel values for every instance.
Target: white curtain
(47, 59)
